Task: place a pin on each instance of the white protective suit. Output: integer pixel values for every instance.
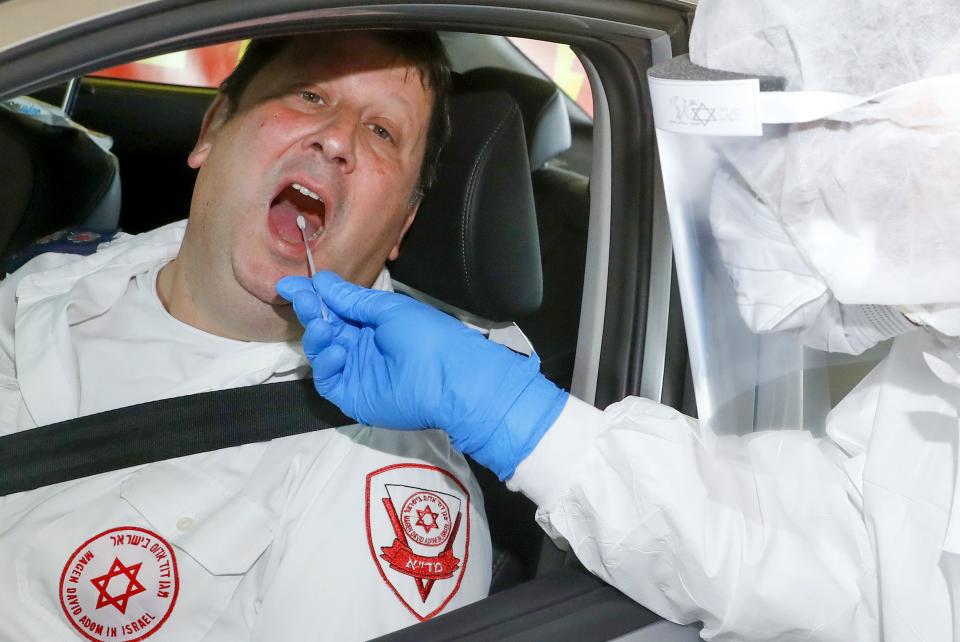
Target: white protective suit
(779, 535)
(341, 534)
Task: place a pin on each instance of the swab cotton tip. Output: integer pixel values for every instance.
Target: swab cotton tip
(302, 223)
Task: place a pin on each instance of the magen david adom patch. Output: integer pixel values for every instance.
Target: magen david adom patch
(418, 528)
(120, 585)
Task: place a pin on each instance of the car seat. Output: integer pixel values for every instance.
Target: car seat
(52, 177)
(562, 201)
(542, 106)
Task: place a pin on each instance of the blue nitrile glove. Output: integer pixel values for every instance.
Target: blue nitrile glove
(388, 360)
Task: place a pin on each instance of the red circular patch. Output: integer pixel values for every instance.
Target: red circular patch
(426, 519)
(120, 585)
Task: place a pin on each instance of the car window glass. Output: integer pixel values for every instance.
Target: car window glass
(208, 66)
(201, 67)
(559, 63)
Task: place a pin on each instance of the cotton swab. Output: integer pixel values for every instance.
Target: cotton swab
(302, 224)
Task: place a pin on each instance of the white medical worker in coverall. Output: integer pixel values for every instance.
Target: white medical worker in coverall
(341, 534)
(828, 234)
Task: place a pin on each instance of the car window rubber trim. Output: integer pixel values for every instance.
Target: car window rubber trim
(160, 430)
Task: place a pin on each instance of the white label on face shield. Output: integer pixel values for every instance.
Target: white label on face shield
(711, 108)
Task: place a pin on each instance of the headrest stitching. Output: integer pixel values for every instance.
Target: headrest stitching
(474, 178)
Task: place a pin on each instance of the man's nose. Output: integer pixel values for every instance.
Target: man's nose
(336, 139)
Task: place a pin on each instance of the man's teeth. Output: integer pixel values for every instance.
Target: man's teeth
(306, 192)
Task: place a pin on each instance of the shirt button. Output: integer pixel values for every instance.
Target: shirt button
(184, 523)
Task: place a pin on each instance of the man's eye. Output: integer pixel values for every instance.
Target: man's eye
(311, 96)
(381, 132)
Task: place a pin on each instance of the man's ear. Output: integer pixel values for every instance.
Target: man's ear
(213, 120)
(407, 222)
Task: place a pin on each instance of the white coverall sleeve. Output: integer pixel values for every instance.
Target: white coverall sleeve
(759, 537)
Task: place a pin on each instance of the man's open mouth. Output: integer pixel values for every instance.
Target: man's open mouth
(297, 200)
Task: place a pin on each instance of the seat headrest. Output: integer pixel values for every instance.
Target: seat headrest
(474, 244)
(52, 177)
(542, 105)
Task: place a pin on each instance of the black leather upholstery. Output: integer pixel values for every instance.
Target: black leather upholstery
(562, 201)
(475, 243)
(546, 122)
(50, 178)
(563, 208)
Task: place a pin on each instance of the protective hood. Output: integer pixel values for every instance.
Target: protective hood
(868, 194)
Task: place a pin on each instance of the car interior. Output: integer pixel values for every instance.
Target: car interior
(506, 240)
(499, 241)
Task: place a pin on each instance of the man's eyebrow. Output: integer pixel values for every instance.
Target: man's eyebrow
(390, 105)
(402, 111)
(405, 107)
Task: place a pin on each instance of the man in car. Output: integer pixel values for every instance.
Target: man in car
(341, 534)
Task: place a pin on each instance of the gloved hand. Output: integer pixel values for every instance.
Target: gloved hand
(390, 361)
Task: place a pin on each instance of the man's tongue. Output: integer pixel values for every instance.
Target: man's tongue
(283, 214)
(287, 206)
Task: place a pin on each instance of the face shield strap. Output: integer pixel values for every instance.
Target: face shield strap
(689, 99)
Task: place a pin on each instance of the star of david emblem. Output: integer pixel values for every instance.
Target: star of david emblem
(427, 519)
(703, 114)
(117, 569)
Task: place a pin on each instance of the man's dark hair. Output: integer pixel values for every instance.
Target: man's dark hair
(422, 48)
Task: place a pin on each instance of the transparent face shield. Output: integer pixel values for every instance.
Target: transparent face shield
(745, 380)
(782, 287)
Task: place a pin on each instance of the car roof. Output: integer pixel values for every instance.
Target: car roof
(26, 20)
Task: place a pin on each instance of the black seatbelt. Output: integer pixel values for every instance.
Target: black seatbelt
(161, 430)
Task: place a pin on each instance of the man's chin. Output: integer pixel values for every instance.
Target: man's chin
(268, 296)
(261, 284)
